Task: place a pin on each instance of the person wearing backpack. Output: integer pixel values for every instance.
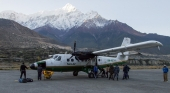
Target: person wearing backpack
(165, 73)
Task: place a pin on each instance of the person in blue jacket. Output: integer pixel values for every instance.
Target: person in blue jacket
(95, 69)
(116, 72)
(165, 73)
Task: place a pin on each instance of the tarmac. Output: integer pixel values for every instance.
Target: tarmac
(140, 81)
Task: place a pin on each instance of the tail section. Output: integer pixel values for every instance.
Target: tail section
(126, 41)
(123, 56)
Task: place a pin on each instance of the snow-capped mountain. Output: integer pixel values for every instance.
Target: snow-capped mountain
(63, 18)
(90, 30)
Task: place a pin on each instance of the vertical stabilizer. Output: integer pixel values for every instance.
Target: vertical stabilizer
(126, 41)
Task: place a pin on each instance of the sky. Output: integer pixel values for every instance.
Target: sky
(146, 16)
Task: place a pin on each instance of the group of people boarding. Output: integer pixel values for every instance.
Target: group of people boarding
(112, 72)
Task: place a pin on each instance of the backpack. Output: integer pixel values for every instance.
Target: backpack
(22, 80)
(29, 80)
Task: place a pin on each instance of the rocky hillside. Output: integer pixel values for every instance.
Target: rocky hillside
(13, 35)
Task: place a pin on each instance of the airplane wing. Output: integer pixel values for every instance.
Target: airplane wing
(130, 47)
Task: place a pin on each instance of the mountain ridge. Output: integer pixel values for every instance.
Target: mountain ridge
(62, 18)
(13, 35)
(90, 30)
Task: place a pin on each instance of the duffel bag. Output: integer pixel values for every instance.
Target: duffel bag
(29, 80)
(22, 80)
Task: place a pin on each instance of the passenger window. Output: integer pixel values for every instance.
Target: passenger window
(72, 60)
(68, 60)
(59, 58)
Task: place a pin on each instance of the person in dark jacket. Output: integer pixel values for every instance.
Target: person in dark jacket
(39, 69)
(165, 73)
(111, 71)
(128, 72)
(116, 72)
(23, 70)
(125, 71)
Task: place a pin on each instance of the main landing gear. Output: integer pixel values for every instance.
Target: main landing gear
(75, 73)
(91, 75)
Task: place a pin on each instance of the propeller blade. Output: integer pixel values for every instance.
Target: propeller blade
(76, 58)
(74, 45)
(71, 57)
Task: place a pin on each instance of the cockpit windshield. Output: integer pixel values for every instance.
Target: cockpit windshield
(55, 56)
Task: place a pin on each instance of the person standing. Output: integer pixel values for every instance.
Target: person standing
(23, 70)
(111, 71)
(128, 72)
(165, 73)
(95, 69)
(39, 69)
(125, 71)
(116, 72)
(107, 71)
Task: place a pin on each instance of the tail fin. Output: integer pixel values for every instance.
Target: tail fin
(126, 41)
(123, 56)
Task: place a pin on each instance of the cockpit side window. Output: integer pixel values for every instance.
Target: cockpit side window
(55, 57)
(59, 58)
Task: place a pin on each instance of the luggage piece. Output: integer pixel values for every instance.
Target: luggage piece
(29, 80)
(22, 80)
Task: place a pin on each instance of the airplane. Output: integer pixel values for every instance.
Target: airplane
(84, 61)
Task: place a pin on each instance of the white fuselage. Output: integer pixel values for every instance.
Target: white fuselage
(63, 60)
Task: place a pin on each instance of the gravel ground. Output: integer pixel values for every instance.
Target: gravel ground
(141, 81)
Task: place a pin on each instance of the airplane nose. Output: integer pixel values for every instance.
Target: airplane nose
(32, 66)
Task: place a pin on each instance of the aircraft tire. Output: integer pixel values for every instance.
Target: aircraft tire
(91, 75)
(75, 73)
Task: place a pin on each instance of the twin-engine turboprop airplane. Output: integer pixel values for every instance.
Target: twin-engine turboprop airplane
(83, 61)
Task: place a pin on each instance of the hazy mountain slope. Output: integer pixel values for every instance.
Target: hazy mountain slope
(13, 35)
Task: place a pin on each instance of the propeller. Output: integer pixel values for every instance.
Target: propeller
(74, 53)
(80, 55)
